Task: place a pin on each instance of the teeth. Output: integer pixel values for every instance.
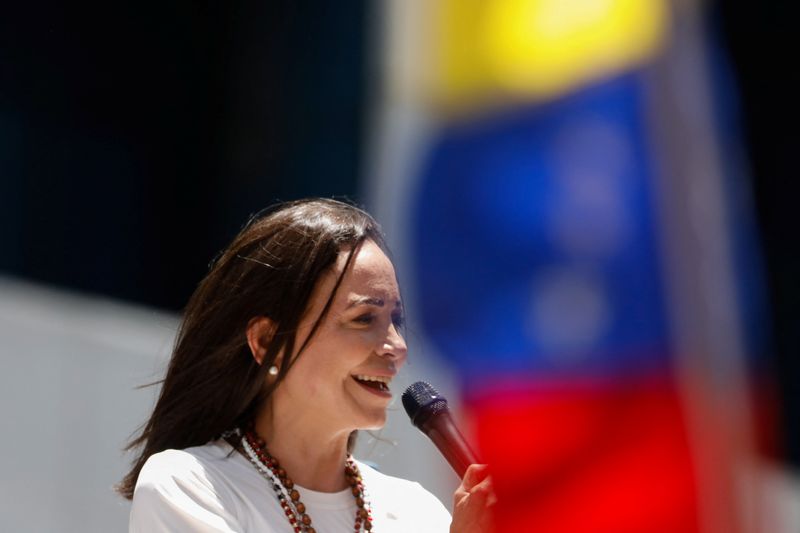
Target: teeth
(380, 379)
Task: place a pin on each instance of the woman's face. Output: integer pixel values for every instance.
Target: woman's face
(343, 377)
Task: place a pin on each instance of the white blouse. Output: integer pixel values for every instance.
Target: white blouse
(208, 488)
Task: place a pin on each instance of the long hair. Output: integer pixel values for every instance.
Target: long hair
(213, 384)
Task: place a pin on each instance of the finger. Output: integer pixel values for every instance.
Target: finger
(485, 490)
(459, 494)
(475, 474)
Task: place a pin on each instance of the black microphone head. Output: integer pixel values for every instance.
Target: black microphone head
(421, 401)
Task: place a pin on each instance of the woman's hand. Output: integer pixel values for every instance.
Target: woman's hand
(472, 501)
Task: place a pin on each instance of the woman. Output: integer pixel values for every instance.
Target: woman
(287, 348)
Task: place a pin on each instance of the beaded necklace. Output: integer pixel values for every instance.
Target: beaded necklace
(289, 498)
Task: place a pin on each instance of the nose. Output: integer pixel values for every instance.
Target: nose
(394, 346)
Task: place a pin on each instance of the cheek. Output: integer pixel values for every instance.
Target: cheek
(317, 374)
(329, 361)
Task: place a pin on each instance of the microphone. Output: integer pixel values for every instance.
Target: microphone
(429, 412)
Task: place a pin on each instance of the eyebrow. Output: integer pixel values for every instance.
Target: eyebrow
(368, 300)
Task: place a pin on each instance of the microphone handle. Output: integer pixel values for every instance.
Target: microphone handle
(451, 443)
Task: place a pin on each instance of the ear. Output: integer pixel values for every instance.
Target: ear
(259, 333)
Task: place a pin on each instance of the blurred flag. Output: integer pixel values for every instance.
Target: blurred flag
(556, 258)
(539, 276)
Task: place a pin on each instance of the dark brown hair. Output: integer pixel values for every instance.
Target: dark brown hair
(213, 384)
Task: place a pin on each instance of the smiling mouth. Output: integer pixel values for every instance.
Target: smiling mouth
(378, 383)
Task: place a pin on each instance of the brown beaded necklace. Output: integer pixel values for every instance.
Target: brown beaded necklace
(288, 497)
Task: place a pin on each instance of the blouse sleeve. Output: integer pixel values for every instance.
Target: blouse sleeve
(174, 494)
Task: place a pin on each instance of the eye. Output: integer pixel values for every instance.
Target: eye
(398, 320)
(365, 319)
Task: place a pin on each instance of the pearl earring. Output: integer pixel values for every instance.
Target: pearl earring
(273, 370)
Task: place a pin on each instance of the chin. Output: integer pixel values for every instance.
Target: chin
(373, 422)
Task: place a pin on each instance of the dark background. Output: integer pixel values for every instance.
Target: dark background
(136, 137)
(761, 39)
